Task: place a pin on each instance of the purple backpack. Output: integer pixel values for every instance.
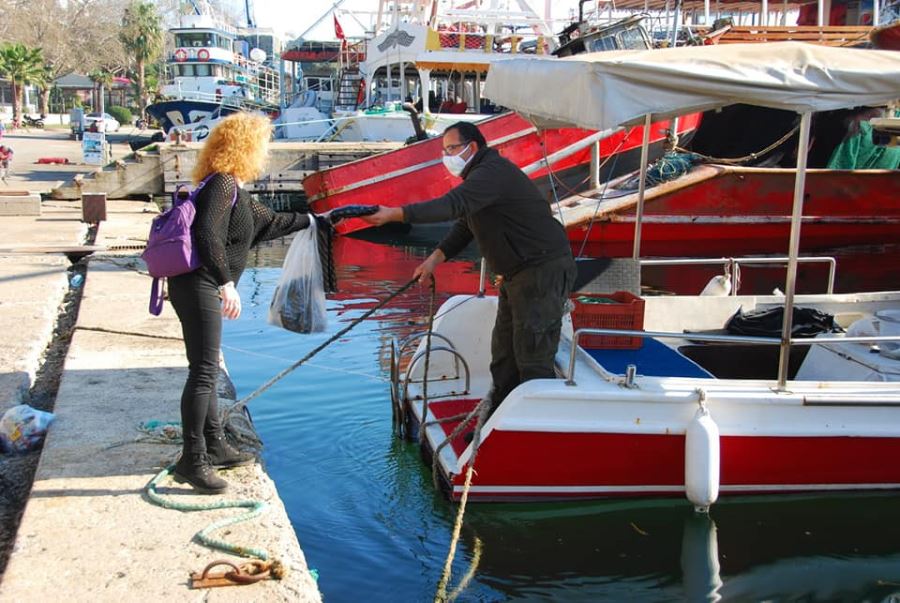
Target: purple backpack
(170, 250)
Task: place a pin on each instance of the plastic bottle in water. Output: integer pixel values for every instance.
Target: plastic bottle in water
(76, 281)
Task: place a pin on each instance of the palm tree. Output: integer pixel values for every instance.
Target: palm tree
(22, 66)
(102, 79)
(142, 37)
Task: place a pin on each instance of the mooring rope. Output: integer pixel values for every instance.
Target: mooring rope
(748, 157)
(256, 507)
(441, 595)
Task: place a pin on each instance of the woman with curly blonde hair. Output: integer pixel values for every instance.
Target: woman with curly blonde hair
(227, 224)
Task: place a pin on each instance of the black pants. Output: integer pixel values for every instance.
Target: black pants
(195, 298)
(529, 318)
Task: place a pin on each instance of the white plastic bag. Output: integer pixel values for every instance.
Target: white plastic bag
(299, 301)
(23, 428)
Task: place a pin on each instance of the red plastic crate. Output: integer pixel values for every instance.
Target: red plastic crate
(626, 313)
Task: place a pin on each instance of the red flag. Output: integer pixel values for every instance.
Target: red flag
(338, 30)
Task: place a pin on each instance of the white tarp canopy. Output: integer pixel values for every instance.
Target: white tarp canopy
(608, 89)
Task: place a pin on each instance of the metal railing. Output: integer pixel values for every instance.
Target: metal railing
(713, 339)
(733, 265)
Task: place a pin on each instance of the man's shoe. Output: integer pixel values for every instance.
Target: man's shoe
(222, 454)
(194, 469)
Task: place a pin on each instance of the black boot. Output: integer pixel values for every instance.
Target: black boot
(194, 469)
(222, 454)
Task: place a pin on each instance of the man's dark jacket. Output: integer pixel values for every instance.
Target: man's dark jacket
(504, 211)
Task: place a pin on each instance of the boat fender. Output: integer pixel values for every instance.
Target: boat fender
(718, 285)
(701, 460)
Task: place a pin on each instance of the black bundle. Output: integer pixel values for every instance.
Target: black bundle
(325, 240)
(295, 313)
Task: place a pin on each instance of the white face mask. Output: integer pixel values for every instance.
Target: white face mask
(455, 164)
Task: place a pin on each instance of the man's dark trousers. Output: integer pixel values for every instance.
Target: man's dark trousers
(529, 318)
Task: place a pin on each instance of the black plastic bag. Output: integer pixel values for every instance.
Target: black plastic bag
(767, 322)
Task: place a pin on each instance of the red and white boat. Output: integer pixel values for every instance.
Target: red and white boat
(415, 173)
(699, 413)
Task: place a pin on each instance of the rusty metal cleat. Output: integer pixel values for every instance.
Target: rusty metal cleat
(247, 573)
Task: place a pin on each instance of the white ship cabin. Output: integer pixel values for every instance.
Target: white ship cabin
(213, 62)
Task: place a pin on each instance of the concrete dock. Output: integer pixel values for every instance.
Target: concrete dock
(88, 532)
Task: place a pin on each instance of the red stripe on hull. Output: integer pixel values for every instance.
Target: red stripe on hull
(559, 460)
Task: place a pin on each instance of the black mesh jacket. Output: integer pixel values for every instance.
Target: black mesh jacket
(223, 236)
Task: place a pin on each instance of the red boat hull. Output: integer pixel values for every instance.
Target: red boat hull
(415, 173)
(887, 37)
(517, 465)
(749, 211)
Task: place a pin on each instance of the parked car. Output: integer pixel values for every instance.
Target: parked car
(110, 123)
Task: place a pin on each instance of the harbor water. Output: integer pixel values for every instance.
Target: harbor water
(370, 521)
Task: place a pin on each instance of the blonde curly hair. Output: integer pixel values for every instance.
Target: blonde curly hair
(238, 145)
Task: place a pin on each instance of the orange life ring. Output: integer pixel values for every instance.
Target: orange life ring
(203, 54)
(180, 55)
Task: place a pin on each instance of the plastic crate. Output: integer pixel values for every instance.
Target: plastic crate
(624, 311)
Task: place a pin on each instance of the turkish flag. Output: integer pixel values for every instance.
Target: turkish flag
(338, 30)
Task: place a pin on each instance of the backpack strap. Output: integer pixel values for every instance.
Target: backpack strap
(156, 297)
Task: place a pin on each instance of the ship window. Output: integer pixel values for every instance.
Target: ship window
(602, 44)
(632, 39)
(192, 39)
(202, 70)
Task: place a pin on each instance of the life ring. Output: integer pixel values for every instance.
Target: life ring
(181, 55)
(203, 54)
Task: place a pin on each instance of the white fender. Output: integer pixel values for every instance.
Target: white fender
(718, 285)
(701, 460)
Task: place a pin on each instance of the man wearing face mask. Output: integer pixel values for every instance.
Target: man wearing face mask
(499, 206)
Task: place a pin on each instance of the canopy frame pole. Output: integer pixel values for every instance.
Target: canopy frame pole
(876, 13)
(821, 13)
(595, 166)
(706, 12)
(642, 187)
(764, 13)
(793, 251)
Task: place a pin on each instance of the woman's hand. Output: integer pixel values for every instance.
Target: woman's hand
(384, 215)
(231, 301)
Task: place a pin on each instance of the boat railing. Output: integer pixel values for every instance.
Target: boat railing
(508, 43)
(399, 348)
(712, 338)
(733, 265)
